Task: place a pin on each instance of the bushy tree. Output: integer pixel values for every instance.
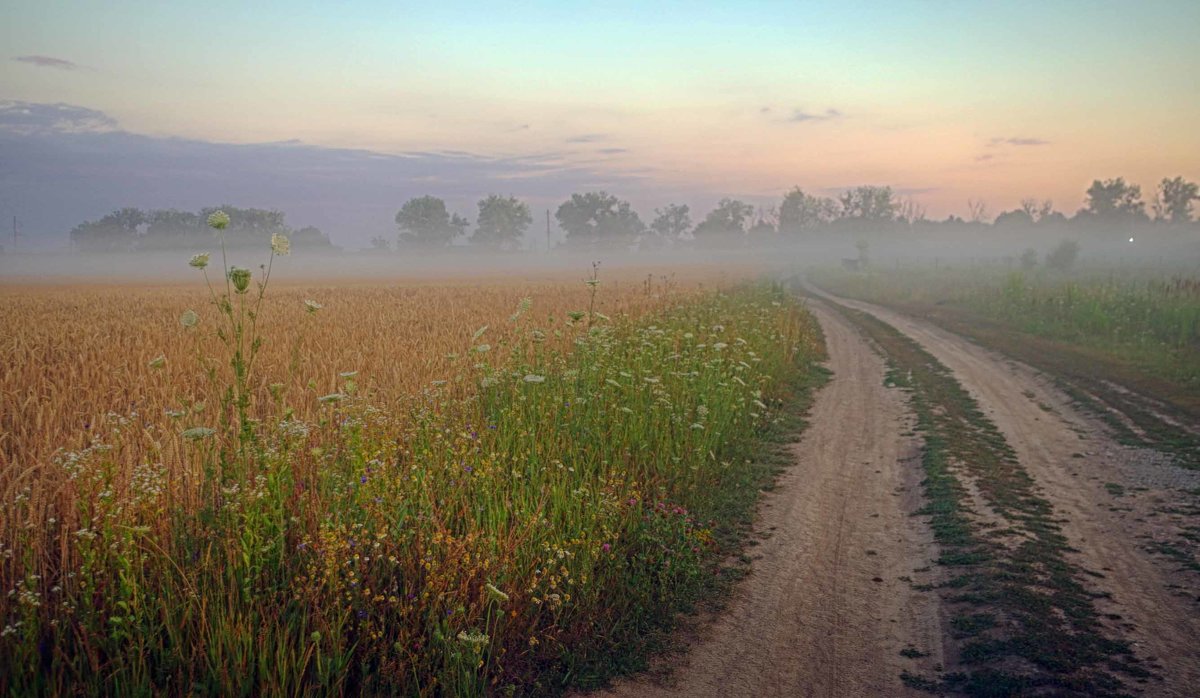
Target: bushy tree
(725, 223)
(115, 232)
(672, 222)
(425, 222)
(1173, 200)
(802, 212)
(1113, 199)
(869, 203)
(502, 222)
(598, 218)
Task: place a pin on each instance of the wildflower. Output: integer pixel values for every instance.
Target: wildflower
(495, 594)
(332, 397)
(240, 278)
(483, 348)
(479, 333)
(189, 318)
(218, 220)
(576, 315)
(592, 283)
(537, 336)
(197, 433)
(157, 362)
(312, 306)
(199, 260)
(531, 378)
(474, 639)
(280, 245)
(315, 636)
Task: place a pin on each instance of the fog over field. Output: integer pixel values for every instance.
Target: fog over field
(677, 349)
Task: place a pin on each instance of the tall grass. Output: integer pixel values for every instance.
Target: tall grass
(1152, 321)
(489, 533)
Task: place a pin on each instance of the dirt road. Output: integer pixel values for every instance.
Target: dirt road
(827, 607)
(825, 611)
(1076, 465)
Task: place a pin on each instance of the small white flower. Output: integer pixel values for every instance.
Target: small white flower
(189, 318)
(532, 378)
(312, 306)
(199, 260)
(197, 433)
(157, 362)
(280, 245)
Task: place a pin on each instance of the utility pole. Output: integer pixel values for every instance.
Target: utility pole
(547, 230)
(15, 234)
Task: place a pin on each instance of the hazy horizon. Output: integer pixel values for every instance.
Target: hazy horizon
(337, 116)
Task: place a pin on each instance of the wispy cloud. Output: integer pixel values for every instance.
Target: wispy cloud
(588, 138)
(800, 116)
(1018, 141)
(612, 151)
(47, 62)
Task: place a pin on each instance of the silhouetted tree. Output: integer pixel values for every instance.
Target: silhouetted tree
(1113, 199)
(1036, 211)
(115, 232)
(869, 203)
(598, 218)
(502, 222)
(801, 212)
(425, 222)
(672, 223)
(1173, 200)
(726, 223)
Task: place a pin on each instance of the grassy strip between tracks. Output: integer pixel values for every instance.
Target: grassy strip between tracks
(1022, 617)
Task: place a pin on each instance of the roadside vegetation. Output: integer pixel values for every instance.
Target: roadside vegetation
(1123, 344)
(524, 523)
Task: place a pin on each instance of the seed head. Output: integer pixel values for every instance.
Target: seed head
(280, 245)
(240, 278)
(218, 220)
(495, 594)
(199, 260)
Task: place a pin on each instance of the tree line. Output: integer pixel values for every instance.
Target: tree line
(599, 219)
(134, 230)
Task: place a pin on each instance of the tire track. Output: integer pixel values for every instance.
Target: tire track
(828, 605)
(1162, 623)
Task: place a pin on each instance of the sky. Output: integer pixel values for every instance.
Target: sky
(690, 101)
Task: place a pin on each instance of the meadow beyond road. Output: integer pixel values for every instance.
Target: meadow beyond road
(831, 602)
